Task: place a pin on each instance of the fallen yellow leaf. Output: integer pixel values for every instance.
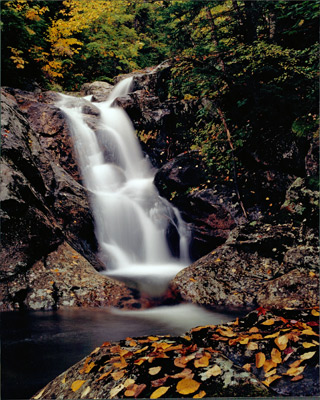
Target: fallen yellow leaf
(276, 356)
(247, 367)
(85, 392)
(202, 362)
(307, 345)
(254, 329)
(187, 386)
(116, 390)
(269, 364)
(270, 373)
(268, 322)
(38, 396)
(252, 346)
(295, 371)
(309, 332)
(315, 313)
(118, 375)
(153, 338)
(271, 379)
(281, 342)
(295, 364)
(159, 392)
(274, 335)
(307, 356)
(76, 385)
(297, 378)
(199, 395)
(154, 370)
(260, 359)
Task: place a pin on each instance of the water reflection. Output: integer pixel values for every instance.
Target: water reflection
(38, 346)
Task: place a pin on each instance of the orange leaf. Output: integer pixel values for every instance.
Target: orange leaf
(281, 342)
(269, 364)
(274, 335)
(153, 338)
(202, 362)
(181, 362)
(247, 367)
(315, 313)
(254, 329)
(104, 375)
(141, 350)
(295, 363)
(226, 332)
(139, 361)
(159, 392)
(276, 356)
(260, 359)
(134, 390)
(187, 386)
(199, 395)
(297, 378)
(121, 364)
(159, 382)
(76, 385)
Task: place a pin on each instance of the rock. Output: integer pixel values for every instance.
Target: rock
(312, 157)
(142, 367)
(65, 278)
(249, 357)
(268, 344)
(302, 201)
(296, 289)
(256, 259)
(99, 90)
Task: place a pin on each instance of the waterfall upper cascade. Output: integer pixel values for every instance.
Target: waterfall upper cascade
(131, 218)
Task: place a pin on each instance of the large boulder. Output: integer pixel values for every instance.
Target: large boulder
(263, 354)
(99, 90)
(64, 278)
(255, 267)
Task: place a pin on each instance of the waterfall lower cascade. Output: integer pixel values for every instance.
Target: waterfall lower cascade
(131, 219)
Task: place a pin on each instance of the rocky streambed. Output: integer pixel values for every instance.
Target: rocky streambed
(268, 262)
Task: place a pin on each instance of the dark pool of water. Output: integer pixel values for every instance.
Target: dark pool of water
(38, 346)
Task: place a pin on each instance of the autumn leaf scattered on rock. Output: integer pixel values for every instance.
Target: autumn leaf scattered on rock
(159, 392)
(187, 386)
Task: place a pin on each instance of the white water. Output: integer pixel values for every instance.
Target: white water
(131, 218)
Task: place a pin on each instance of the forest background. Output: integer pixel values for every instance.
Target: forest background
(251, 66)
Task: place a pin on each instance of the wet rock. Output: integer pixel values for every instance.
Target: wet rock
(302, 201)
(64, 278)
(256, 259)
(144, 367)
(99, 90)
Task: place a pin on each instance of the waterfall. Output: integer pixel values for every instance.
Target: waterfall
(131, 219)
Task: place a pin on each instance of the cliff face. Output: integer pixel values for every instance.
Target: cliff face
(46, 211)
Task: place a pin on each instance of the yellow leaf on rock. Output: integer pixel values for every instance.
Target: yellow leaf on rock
(271, 379)
(153, 338)
(199, 395)
(276, 356)
(274, 335)
(269, 364)
(268, 322)
(295, 371)
(297, 378)
(247, 367)
(260, 359)
(154, 370)
(309, 332)
(315, 313)
(128, 382)
(118, 375)
(244, 340)
(187, 386)
(159, 392)
(104, 375)
(63, 380)
(281, 342)
(202, 362)
(307, 356)
(141, 350)
(117, 389)
(226, 332)
(307, 345)
(254, 329)
(139, 361)
(295, 364)
(76, 385)
(270, 373)
(252, 346)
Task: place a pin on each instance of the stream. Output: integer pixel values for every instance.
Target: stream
(38, 346)
(131, 225)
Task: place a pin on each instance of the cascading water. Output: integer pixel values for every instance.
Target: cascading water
(131, 218)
